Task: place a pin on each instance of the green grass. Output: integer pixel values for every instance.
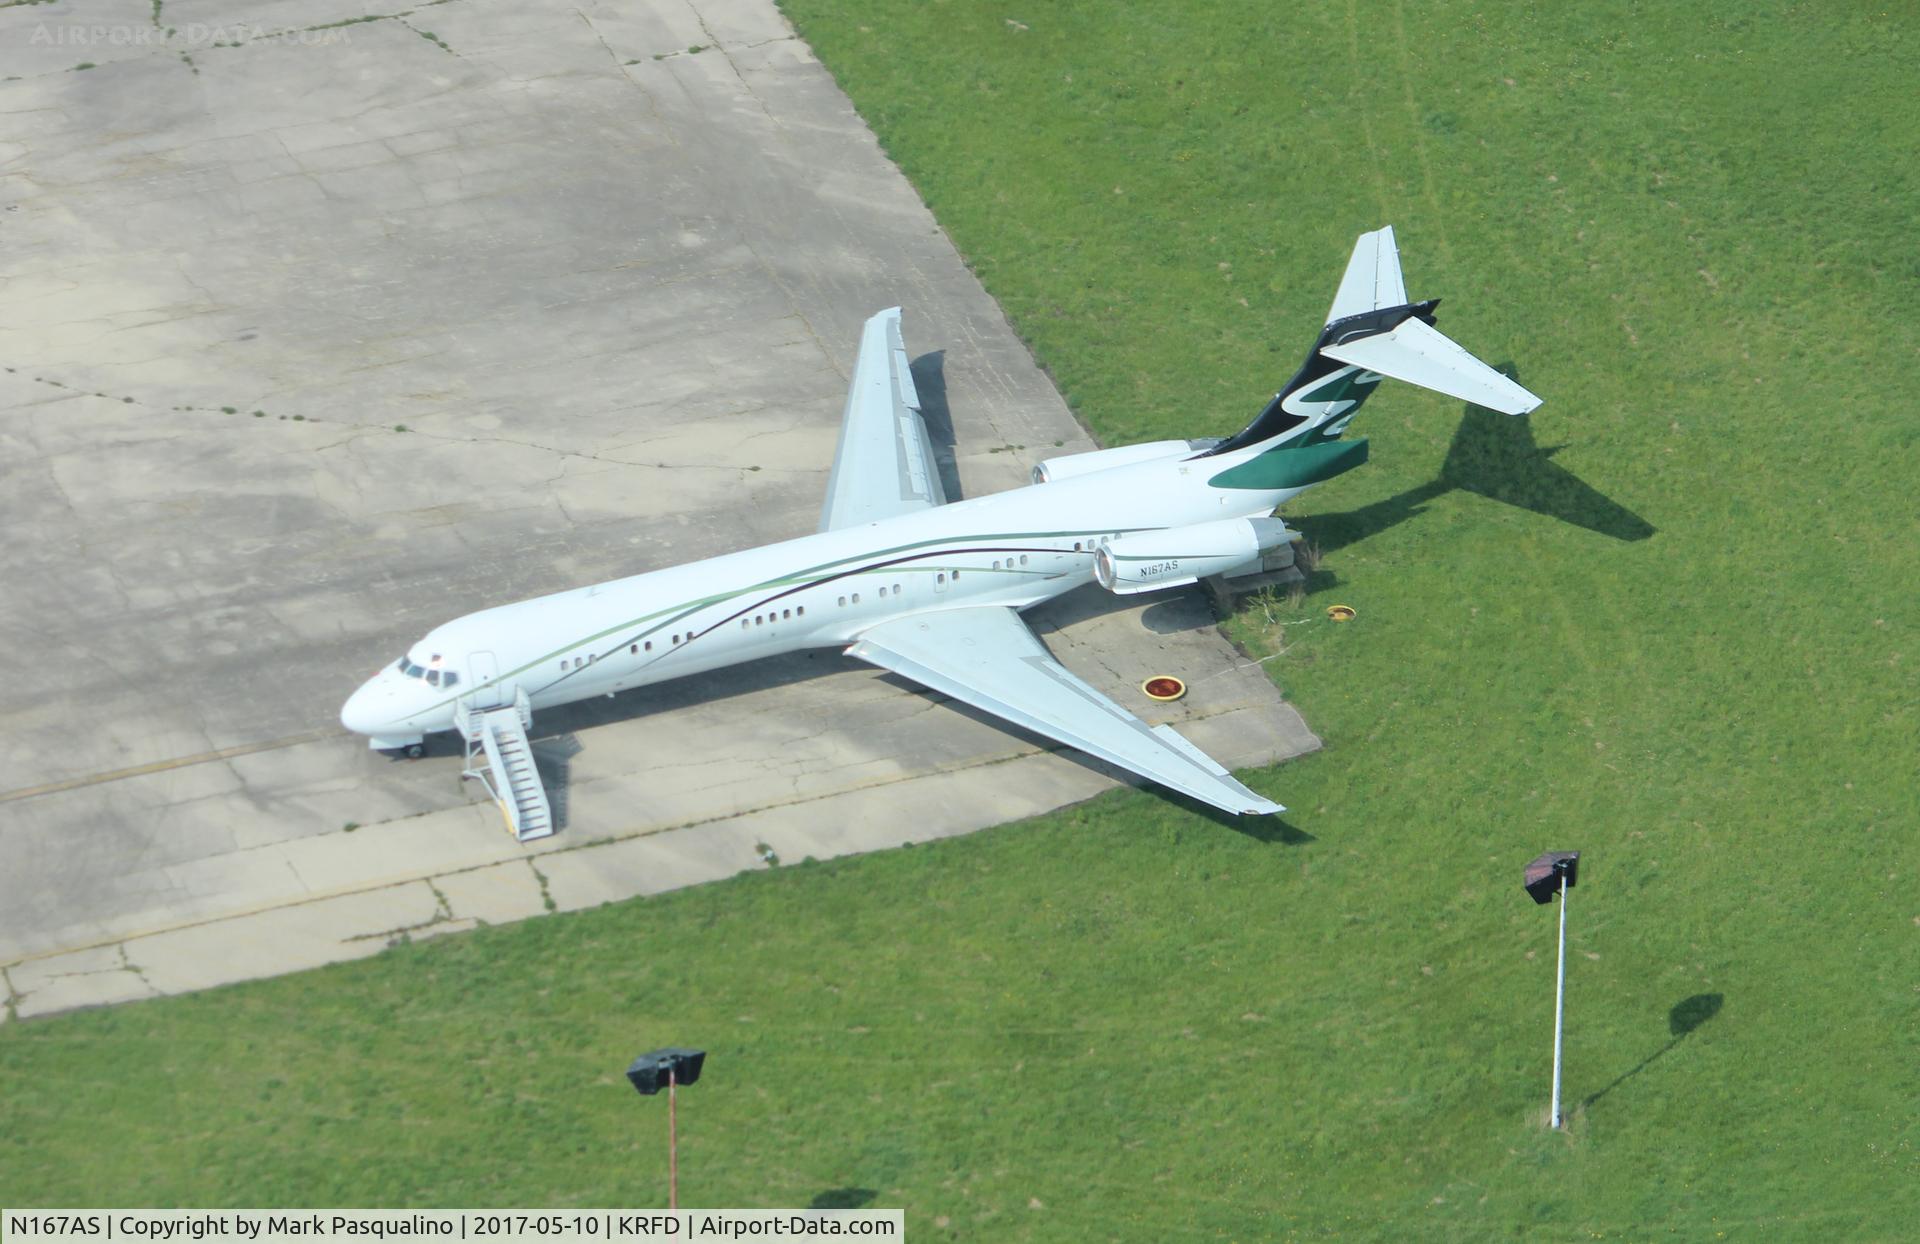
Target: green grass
(1689, 227)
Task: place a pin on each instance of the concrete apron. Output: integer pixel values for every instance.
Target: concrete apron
(611, 288)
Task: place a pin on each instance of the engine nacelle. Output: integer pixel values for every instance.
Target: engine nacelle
(1178, 556)
(1070, 465)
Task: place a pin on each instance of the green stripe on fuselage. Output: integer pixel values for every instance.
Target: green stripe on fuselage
(1294, 466)
(662, 619)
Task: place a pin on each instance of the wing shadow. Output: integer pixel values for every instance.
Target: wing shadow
(930, 382)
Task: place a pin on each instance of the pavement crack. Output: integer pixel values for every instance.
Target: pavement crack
(713, 41)
(126, 962)
(403, 933)
(546, 893)
(428, 35)
(653, 105)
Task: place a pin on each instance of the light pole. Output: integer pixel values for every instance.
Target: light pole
(673, 1066)
(1547, 876)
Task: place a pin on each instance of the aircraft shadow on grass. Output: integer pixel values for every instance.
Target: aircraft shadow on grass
(1492, 455)
(1686, 1016)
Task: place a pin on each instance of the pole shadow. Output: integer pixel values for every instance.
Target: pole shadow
(1686, 1016)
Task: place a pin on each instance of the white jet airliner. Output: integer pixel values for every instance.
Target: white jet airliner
(933, 591)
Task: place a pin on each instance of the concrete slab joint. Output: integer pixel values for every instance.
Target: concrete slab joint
(496, 300)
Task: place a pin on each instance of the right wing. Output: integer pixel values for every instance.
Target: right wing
(885, 464)
(985, 656)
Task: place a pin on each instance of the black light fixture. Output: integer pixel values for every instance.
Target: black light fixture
(1550, 874)
(1546, 873)
(671, 1067)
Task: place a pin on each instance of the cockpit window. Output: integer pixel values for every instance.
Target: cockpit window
(435, 674)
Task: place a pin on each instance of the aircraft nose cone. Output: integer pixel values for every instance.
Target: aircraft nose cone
(361, 713)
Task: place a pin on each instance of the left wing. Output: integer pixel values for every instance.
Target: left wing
(885, 464)
(985, 656)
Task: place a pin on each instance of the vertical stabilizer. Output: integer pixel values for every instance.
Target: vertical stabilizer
(1372, 331)
(1373, 277)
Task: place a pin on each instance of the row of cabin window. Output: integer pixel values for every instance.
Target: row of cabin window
(897, 589)
(636, 649)
(761, 619)
(797, 611)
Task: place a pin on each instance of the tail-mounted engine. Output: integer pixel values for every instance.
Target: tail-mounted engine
(1068, 466)
(1177, 556)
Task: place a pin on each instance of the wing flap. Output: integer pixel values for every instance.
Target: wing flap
(986, 657)
(884, 465)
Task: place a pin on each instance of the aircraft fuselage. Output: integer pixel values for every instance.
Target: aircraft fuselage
(1017, 548)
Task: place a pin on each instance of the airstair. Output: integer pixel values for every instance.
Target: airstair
(499, 735)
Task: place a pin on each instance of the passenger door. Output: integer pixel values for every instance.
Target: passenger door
(482, 671)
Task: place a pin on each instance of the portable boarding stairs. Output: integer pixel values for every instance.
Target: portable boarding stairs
(500, 735)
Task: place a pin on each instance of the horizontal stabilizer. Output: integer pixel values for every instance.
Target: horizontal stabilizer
(1418, 353)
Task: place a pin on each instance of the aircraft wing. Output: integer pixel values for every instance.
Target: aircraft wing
(985, 656)
(885, 463)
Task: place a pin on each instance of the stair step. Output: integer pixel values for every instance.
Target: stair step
(501, 734)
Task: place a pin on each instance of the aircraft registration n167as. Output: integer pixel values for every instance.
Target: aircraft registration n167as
(932, 591)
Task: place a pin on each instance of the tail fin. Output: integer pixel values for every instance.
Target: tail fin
(1373, 331)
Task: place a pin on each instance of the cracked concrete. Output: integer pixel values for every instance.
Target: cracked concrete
(612, 289)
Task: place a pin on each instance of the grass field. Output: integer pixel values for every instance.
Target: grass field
(1670, 622)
